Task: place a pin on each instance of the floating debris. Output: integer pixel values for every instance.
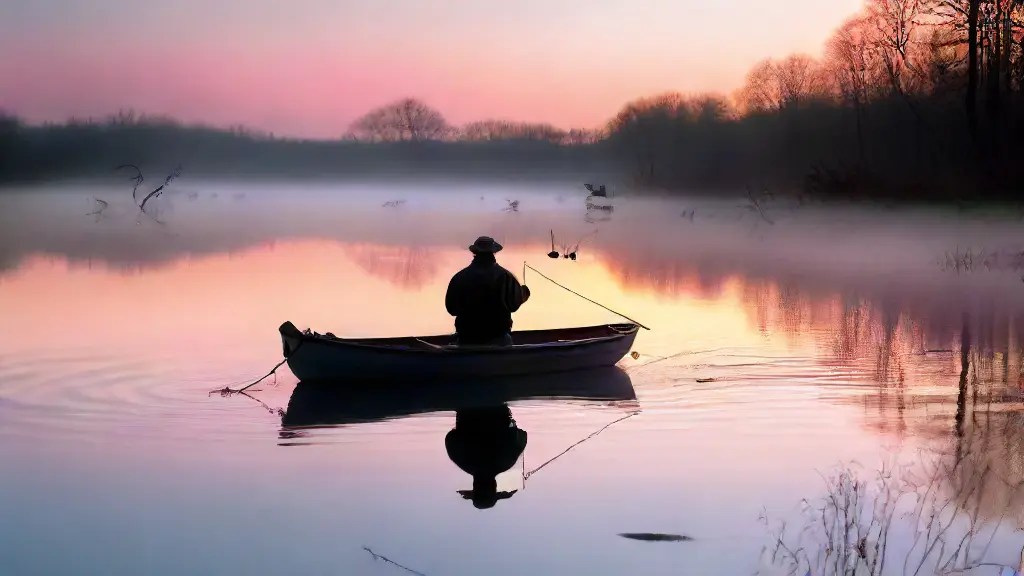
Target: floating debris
(706, 380)
(599, 191)
(513, 205)
(656, 537)
(392, 203)
(101, 205)
(606, 208)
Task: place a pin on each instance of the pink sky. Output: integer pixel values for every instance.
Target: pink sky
(310, 68)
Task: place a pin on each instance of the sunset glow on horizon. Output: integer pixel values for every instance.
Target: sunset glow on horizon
(311, 71)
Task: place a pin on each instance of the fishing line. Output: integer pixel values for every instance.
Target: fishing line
(525, 266)
(676, 355)
(526, 475)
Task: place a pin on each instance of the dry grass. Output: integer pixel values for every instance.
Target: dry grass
(913, 520)
(970, 260)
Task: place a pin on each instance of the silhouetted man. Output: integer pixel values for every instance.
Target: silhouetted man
(483, 296)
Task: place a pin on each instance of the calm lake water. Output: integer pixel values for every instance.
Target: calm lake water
(783, 346)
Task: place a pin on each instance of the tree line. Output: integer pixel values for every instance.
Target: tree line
(909, 99)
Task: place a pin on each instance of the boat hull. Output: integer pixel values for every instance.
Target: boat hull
(314, 357)
(339, 404)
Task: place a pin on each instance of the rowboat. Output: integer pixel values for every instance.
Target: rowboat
(318, 404)
(325, 357)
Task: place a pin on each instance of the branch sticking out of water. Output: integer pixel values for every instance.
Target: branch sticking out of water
(155, 193)
(392, 562)
(755, 205)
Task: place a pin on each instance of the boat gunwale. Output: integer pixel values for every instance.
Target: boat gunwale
(630, 330)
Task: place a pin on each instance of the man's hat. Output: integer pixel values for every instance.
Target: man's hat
(485, 245)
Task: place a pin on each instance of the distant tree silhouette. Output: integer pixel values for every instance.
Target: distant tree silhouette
(484, 130)
(406, 120)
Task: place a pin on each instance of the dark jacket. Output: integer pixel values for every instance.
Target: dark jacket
(482, 297)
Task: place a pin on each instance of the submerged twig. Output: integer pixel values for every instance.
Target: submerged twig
(757, 206)
(392, 562)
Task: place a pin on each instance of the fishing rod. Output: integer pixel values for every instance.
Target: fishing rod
(525, 266)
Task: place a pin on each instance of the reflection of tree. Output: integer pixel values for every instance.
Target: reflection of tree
(946, 370)
(408, 267)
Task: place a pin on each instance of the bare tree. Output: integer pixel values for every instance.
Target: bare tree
(760, 91)
(775, 86)
(406, 120)
(895, 24)
(849, 58)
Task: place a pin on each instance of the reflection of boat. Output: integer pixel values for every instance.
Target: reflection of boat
(320, 404)
(318, 357)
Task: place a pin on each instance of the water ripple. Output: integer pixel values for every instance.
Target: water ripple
(56, 395)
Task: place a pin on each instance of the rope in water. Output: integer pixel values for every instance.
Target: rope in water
(273, 371)
(525, 266)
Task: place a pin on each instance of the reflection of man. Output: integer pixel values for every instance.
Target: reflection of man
(483, 296)
(484, 443)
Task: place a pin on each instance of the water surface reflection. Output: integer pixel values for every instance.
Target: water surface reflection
(773, 354)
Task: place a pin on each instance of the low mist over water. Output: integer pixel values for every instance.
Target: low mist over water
(786, 339)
